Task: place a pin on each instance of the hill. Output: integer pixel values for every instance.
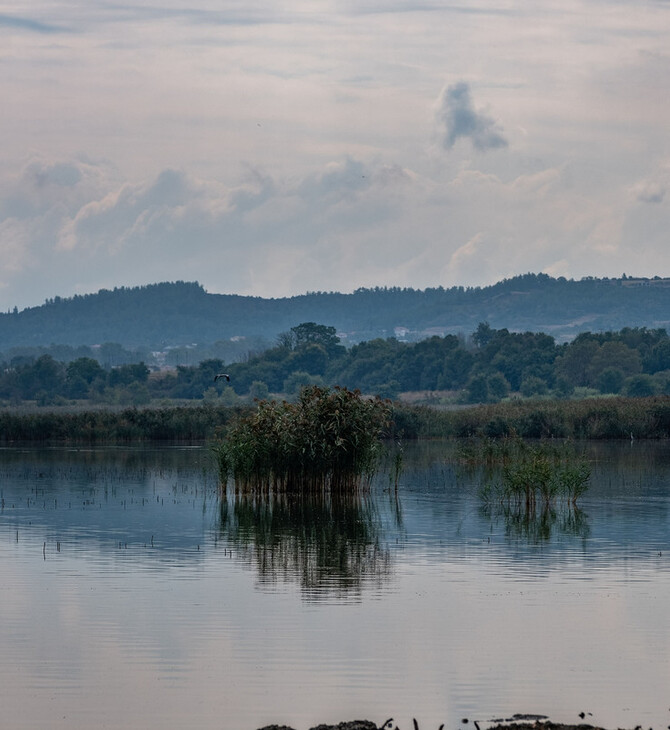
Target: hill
(182, 313)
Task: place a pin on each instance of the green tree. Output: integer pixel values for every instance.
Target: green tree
(298, 380)
(259, 390)
(574, 362)
(613, 354)
(498, 386)
(319, 334)
(532, 386)
(85, 368)
(477, 389)
(610, 380)
(639, 386)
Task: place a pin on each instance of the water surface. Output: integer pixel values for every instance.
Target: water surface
(134, 596)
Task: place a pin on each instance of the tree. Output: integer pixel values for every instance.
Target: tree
(44, 376)
(483, 334)
(574, 362)
(259, 390)
(298, 380)
(319, 334)
(477, 390)
(85, 368)
(639, 386)
(498, 386)
(532, 385)
(614, 354)
(610, 380)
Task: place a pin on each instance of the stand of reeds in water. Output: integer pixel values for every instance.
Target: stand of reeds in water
(524, 474)
(328, 441)
(533, 487)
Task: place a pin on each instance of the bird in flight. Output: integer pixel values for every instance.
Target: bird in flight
(222, 375)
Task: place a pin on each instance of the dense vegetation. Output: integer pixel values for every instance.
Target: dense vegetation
(490, 366)
(326, 442)
(592, 418)
(181, 314)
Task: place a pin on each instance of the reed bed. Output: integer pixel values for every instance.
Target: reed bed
(329, 440)
(590, 418)
(182, 424)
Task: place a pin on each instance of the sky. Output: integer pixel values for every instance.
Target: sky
(276, 148)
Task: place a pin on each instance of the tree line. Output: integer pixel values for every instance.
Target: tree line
(486, 367)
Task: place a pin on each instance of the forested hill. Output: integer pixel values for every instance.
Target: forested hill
(180, 313)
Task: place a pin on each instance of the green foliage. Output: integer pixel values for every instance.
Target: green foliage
(532, 386)
(502, 365)
(327, 440)
(259, 390)
(610, 380)
(529, 473)
(477, 390)
(639, 386)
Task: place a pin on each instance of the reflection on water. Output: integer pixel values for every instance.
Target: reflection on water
(134, 596)
(539, 524)
(330, 544)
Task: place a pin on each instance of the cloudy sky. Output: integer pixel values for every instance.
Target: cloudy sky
(274, 148)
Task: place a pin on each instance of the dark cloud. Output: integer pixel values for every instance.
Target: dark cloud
(461, 119)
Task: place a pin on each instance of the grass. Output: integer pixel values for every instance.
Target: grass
(591, 418)
(518, 473)
(327, 440)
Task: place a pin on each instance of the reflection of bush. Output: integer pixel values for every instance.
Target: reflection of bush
(329, 544)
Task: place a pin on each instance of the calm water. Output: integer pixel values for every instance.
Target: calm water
(133, 597)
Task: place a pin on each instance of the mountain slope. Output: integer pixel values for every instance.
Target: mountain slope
(180, 313)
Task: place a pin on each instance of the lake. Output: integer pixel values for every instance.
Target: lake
(134, 596)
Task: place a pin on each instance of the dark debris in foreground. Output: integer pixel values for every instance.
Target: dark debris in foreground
(515, 724)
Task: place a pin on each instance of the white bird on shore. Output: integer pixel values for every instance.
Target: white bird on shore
(222, 375)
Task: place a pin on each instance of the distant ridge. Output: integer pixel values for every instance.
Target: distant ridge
(180, 313)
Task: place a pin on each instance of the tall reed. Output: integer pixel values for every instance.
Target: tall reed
(528, 473)
(327, 440)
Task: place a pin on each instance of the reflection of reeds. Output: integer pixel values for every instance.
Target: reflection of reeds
(328, 440)
(536, 525)
(329, 543)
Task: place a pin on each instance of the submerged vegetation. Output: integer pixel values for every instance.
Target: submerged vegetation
(329, 440)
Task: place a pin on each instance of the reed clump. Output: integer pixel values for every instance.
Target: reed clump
(529, 473)
(329, 440)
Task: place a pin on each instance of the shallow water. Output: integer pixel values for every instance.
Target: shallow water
(133, 597)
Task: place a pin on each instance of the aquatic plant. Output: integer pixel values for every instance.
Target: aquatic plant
(528, 473)
(327, 440)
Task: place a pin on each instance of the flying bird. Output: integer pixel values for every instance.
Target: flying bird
(222, 375)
